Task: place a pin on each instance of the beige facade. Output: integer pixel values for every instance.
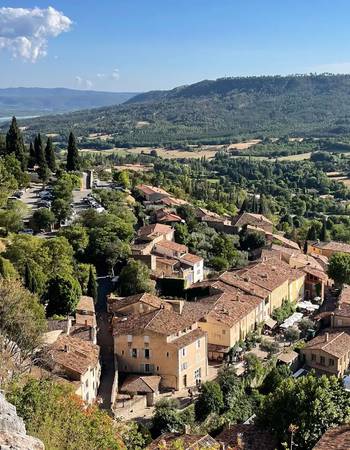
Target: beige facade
(152, 353)
(327, 248)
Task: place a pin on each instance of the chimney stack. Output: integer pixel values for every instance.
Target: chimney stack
(66, 348)
(69, 325)
(327, 337)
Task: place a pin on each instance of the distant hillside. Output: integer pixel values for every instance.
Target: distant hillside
(38, 101)
(219, 111)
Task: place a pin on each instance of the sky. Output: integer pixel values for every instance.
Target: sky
(140, 45)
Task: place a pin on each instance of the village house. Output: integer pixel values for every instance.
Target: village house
(254, 220)
(164, 343)
(77, 361)
(327, 248)
(167, 216)
(149, 235)
(328, 353)
(246, 436)
(168, 441)
(335, 438)
(134, 304)
(142, 385)
(151, 193)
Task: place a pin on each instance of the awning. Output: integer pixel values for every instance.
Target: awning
(270, 323)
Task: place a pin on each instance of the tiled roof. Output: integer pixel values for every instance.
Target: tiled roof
(85, 319)
(74, 354)
(148, 299)
(188, 338)
(243, 283)
(247, 217)
(146, 189)
(168, 217)
(167, 261)
(86, 304)
(189, 257)
(333, 245)
(173, 201)
(141, 384)
(315, 272)
(285, 242)
(252, 437)
(337, 438)
(333, 341)
(162, 321)
(187, 441)
(154, 228)
(197, 310)
(172, 246)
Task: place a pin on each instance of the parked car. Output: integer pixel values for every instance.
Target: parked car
(26, 231)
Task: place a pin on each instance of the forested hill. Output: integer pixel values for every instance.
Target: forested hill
(219, 111)
(36, 101)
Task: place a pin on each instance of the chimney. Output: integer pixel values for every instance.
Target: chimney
(86, 324)
(326, 337)
(93, 334)
(69, 325)
(66, 348)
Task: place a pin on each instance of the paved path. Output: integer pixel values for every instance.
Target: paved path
(105, 341)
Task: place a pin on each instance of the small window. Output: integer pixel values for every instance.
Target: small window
(183, 351)
(147, 368)
(122, 352)
(198, 343)
(331, 361)
(134, 353)
(146, 339)
(157, 368)
(322, 360)
(147, 353)
(313, 357)
(129, 338)
(167, 354)
(223, 331)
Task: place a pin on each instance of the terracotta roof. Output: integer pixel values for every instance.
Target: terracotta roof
(172, 246)
(173, 201)
(315, 272)
(287, 357)
(189, 257)
(85, 319)
(231, 308)
(187, 441)
(154, 228)
(254, 218)
(74, 354)
(146, 189)
(167, 261)
(168, 217)
(333, 245)
(86, 304)
(286, 242)
(344, 296)
(141, 384)
(243, 283)
(197, 310)
(337, 438)
(161, 321)
(147, 299)
(202, 212)
(252, 437)
(336, 342)
(188, 338)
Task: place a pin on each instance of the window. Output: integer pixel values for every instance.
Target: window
(134, 352)
(146, 339)
(223, 331)
(331, 361)
(147, 367)
(122, 352)
(87, 383)
(322, 360)
(129, 338)
(147, 353)
(183, 351)
(167, 354)
(198, 374)
(157, 368)
(184, 366)
(313, 357)
(198, 343)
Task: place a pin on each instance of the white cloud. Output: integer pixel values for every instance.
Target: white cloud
(25, 32)
(89, 84)
(115, 74)
(83, 83)
(101, 75)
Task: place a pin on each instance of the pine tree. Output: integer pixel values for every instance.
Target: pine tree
(73, 162)
(92, 285)
(40, 158)
(263, 207)
(32, 156)
(15, 144)
(50, 155)
(29, 280)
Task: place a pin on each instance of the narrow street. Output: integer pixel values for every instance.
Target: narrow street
(105, 341)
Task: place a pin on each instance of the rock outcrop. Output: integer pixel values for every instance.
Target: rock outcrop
(13, 434)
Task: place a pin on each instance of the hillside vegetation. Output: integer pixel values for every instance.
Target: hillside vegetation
(219, 112)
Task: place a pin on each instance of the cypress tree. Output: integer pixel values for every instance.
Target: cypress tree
(50, 155)
(73, 162)
(29, 280)
(40, 158)
(324, 235)
(14, 143)
(92, 285)
(32, 156)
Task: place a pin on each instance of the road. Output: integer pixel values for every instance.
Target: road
(105, 341)
(31, 198)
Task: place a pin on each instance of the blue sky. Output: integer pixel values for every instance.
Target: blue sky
(138, 45)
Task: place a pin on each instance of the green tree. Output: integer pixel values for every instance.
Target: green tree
(54, 414)
(7, 269)
(73, 160)
(32, 156)
(40, 158)
(92, 284)
(292, 334)
(166, 417)
(30, 281)
(324, 234)
(135, 278)
(311, 403)
(77, 236)
(42, 219)
(14, 143)
(61, 209)
(22, 318)
(63, 293)
(210, 400)
(50, 155)
(122, 177)
(251, 240)
(339, 268)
